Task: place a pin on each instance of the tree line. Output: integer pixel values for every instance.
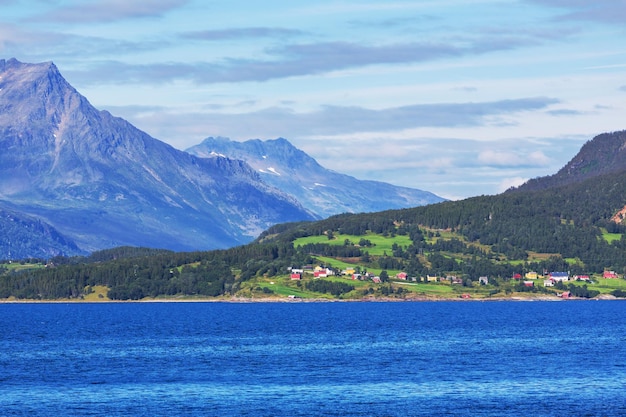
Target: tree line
(567, 222)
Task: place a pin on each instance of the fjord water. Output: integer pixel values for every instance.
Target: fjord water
(302, 359)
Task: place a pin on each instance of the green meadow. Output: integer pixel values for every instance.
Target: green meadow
(380, 244)
(610, 237)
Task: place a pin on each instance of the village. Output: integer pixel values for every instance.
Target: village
(529, 279)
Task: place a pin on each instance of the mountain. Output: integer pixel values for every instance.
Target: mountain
(323, 191)
(100, 182)
(28, 237)
(485, 245)
(604, 154)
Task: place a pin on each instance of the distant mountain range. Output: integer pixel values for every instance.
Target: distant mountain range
(320, 190)
(74, 179)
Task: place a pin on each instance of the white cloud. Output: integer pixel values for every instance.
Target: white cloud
(507, 183)
(492, 157)
(98, 11)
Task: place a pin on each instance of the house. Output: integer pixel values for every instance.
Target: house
(548, 282)
(357, 276)
(582, 278)
(297, 271)
(483, 280)
(529, 283)
(401, 275)
(559, 276)
(431, 278)
(531, 275)
(348, 271)
(376, 279)
(466, 296)
(610, 275)
(455, 280)
(321, 272)
(565, 294)
(517, 276)
(296, 276)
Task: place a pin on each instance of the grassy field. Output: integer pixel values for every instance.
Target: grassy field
(605, 286)
(335, 263)
(380, 244)
(16, 266)
(610, 237)
(99, 293)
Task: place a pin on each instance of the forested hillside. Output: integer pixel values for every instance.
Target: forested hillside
(560, 229)
(604, 154)
(575, 227)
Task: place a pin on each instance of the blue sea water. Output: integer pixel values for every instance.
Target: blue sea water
(305, 359)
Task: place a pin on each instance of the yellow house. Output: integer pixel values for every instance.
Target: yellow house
(531, 275)
(349, 271)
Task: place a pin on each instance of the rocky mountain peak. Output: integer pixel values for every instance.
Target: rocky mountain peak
(323, 191)
(102, 182)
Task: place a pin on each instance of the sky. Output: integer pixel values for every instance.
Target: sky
(460, 98)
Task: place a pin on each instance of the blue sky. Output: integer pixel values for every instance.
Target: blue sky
(460, 98)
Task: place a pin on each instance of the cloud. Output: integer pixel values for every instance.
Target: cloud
(294, 60)
(37, 46)
(507, 183)
(396, 22)
(100, 11)
(242, 33)
(438, 164)
(565, 112)
(466, 89)
(338, 120)
(603, 11)
(491, 157)
(622, 88)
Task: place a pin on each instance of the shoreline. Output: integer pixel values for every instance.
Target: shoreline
(244, 300)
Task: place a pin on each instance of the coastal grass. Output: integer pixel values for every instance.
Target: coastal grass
(99, 293)
(604, 285)
(283, 286)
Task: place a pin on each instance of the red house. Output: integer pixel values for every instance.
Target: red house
(296, 276)
(517, 276)
(610, 275)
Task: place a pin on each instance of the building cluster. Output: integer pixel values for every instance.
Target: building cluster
(529, 278)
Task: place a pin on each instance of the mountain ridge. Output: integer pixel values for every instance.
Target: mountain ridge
(85, 172)
(505, 246)
(323, 191)
(603, 154)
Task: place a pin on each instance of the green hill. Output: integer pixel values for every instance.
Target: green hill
(573, 227)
